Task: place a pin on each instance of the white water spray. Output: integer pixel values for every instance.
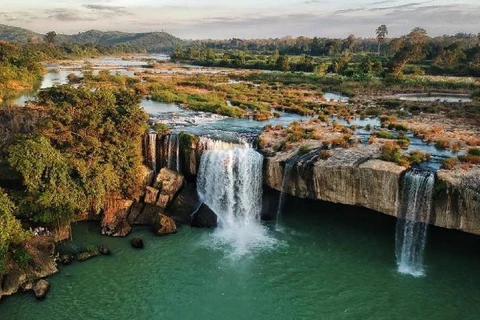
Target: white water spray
(411, 233)
(230, 183)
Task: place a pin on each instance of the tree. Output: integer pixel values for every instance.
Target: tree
(283, 63)
(412, 50)
(349, 43)
(382, 33)
(50, 38)
(11, 231)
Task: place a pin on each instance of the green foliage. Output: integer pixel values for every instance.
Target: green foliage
(303, 150)
(11, 232)
(161, 128)
(51, 193)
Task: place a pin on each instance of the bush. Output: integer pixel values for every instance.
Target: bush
(303, 150)
(391, 152)
(449, 163)
(161, 128)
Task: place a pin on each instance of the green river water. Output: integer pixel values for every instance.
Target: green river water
(330, 262)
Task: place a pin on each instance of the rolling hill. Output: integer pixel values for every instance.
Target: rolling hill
(150, 41)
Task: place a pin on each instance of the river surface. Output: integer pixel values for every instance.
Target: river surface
(330, 262)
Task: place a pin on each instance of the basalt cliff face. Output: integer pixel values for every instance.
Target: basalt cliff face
(357, 177)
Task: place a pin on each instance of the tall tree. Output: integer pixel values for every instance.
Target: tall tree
(382, 33)
(50, 38)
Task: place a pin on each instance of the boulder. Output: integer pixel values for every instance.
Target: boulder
(135, 212)
(151, 195)
(87, 254)
(184, 205)
(104, 250)
(148, 216)
(164, 225)
(169, 183)
(115, 217)
(40, 289)
(204, 217)
(137, 243)
(66, 259)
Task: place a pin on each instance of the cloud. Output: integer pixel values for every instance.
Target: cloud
(68, 15)
(402, 6)
(103, 9)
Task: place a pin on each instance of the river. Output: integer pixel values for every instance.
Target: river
(330, 262)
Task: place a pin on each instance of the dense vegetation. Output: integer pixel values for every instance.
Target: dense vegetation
(84, 147)
(414, 53)
(20, 68)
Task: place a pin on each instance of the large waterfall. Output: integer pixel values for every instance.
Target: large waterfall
(230, 183)
(411, 233)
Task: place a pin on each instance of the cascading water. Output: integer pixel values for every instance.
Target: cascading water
(151, 151)
(171, 152)
(411, 230)
(281, 200)
(230, 183)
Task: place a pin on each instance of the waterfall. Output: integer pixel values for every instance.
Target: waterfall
(281, 200)
(151, 151)
(411, 230)
(230, 183)
(171, 152)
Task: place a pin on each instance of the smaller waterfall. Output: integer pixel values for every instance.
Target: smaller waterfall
(411, 230)
(230, 182)
(171, 152)
(151, 151)
(281, 200)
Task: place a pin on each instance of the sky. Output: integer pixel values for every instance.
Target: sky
(216, 19)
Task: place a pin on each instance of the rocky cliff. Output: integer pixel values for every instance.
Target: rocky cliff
(356, 176)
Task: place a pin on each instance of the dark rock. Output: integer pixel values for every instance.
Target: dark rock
(66, 259)
(135, 212)
(104, 250)
(184, 205)
(88, 254)
(40, 289)
(204, 218)
(137, 243)
(148, 216)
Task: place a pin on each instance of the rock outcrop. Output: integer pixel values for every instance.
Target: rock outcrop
(356, 176)
(41, 249)
(456, 203)
(40, 289)
(115, 215)
(350, 176)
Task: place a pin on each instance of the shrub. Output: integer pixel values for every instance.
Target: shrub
(303, 150)
(449, 163)
(391, 152)
(161, 128)
(325, 154)
(442, 144)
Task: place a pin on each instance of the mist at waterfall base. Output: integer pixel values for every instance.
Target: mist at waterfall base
(335, 262)
(230, 183)
(411, 230)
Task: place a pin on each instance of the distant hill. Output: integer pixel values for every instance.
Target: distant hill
(14, 34)
(151, 41)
